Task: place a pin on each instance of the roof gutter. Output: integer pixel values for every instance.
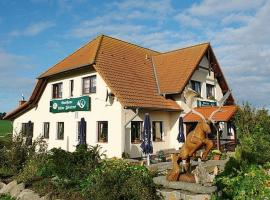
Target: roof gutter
(133, 117)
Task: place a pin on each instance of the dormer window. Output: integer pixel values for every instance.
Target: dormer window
(57, 91)
(196, 86)
(89, 84)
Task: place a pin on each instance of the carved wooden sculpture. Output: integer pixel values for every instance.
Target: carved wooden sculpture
(195, 139)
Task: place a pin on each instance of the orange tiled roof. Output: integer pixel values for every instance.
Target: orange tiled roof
(225, 114)
(175, 68)
(82, 57)
(127, 70)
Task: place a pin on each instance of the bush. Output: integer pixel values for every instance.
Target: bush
(70, 168)
(247, 183)
(6, 197)
(253, 131)
(116, 179)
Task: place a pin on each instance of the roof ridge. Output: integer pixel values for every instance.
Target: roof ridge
(99, 36)
(136, 45)
(187, 47)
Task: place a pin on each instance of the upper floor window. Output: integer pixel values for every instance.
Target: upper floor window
(196, 86)
(102, 131)
(136, 131)
(71, 87)
(210, 91)
(60, 131)
(89, 84)
(157, 127)
(46, 129)
(57, 90)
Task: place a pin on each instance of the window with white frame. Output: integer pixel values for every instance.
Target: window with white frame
(196, 86)
(102, 131)
(46, 130)
(157, 127)
(57, 90)
(60, 130)
(136, 131)
(89, 84)
(210, 91)
(71, 87)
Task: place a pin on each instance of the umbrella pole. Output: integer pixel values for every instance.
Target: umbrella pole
(148, 159)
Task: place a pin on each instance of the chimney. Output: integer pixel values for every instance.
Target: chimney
(21, 102)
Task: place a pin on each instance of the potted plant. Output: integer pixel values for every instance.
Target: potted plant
(216, 154)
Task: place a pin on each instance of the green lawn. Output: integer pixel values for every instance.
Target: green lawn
(5, 127)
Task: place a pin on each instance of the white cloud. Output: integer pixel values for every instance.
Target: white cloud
(219, 7)
(33, 29)
(12, 82)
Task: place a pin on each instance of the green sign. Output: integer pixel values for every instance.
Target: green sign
(70, 105)
(206, 103)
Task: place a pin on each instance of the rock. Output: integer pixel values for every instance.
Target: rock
(6, 189)
(47, 197)
(202, 176)
(2, 185)
(178, 185)
(183, 195)
(15, 191)
(27, 194)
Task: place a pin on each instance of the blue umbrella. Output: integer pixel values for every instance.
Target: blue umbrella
(180, 136)
(146, 145)
(82, 132)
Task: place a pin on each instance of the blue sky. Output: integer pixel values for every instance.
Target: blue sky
(36, 34)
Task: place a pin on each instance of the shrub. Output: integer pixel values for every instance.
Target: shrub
(247, 183)
(253, 131)
(116, 179)
(69, 168)
(6, 197)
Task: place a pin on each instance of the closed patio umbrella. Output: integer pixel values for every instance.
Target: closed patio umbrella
(146, 145)
(181, 136)
(82, 132)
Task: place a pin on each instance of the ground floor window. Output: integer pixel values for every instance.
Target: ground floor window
(102, 128)
(136, 131)
(157, 127)
(60, 130)
(24, 129)
(27, 129)
(230, 129)
(46, 130)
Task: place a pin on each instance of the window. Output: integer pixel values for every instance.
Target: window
(102, 131)
(210, 91)
(71, 87)
(196, 86)
(24, 129)
(57, 91)
(157, 127)
(230, 128)
(136, 131)
(46, 130)
(60, 130)
(89, 84)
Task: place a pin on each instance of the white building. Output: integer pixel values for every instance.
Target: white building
(112, 84)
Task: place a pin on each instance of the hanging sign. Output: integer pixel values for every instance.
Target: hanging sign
(206, 103)
(70, 105)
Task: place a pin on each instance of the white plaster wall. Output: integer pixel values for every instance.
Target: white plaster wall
(100, 111)
(134, 149)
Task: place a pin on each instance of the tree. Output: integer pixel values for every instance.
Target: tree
(2, 115)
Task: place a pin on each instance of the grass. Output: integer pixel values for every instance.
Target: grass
(5, 127)
(6, 197)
